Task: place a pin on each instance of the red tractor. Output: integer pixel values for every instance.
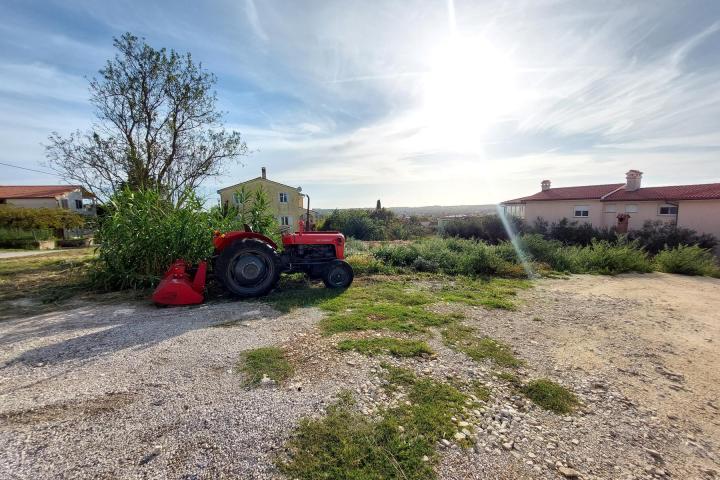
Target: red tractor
(248, 264)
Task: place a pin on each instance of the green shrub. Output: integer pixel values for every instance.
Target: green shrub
(13, 234)
(577, 233)
(657, 236)
(456, 256)
(354, 246)
(687, 260)
(143, 233)
(376, 224)
(451, 256)
(489, 228)
(550, 252)
(34, 219)
(399, 255)
(606, 258)
(367, 265)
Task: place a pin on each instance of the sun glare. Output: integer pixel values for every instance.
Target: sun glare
(470, 85)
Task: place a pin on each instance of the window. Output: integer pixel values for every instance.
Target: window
(630, 208)
(668, 210)
(64, 203)
(284, 221)
(78, 204)
(514, 210)
(582, 211)
(610, 208)
(283, 197)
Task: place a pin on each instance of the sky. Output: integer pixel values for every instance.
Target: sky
(411, 102)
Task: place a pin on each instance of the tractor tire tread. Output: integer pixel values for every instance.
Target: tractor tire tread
(223, 264)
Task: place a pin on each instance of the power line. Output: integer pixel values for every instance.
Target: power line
(29, 169)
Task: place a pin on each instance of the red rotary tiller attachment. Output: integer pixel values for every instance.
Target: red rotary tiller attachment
(177, 287)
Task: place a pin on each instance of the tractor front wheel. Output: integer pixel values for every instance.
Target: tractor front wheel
(338, 274)
(248, 268)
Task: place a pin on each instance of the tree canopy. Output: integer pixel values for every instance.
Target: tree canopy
(157, 127)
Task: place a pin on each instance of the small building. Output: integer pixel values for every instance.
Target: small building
(68, 197)
(286, 201)
(624, 206)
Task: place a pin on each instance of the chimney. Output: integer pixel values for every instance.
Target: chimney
(264, 172)
(545, 184)
(633, 179)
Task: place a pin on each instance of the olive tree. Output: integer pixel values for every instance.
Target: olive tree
(157, 127)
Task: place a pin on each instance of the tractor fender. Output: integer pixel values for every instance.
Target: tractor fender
(224, 240)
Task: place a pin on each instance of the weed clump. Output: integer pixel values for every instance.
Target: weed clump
(265, 361)
(462, 338)
(550, 396)
(393, 346)
(400, 444)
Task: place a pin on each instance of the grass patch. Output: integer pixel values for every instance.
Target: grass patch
(510, 378)
(296, 291)
(396, 376)
(43, 280)
(346, 444)
(550, 396)
(265, 361)
(480, 391)
(396, 304)
(463, 339)
(393, 346)
(494, 293)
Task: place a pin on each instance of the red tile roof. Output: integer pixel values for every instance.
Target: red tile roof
(708, 191)
(570, 193)
(35, 191)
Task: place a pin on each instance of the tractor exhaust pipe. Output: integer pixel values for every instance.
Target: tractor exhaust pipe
(308, 212)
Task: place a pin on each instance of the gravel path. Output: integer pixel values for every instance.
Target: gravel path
(130, 391)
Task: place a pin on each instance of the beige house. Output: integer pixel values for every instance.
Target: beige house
(625, 206)
(287, 202)
(68, 197)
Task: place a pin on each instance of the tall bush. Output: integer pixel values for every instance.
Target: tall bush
(657, 235)
(142, 233)
(606, 258)
(687, 260)
(489, 228)
(38, 218)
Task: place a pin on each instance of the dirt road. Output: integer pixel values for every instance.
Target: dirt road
(654, 337)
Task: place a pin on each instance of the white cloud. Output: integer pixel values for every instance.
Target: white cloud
(333, 95)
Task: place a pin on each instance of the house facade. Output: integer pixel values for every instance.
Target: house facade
(69, 197)
(286, 201)
(624, 206)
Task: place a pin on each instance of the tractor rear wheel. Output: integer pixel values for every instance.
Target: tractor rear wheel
(248, 268)
(338, 274)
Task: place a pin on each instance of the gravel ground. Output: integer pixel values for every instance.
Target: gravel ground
(131, 391)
